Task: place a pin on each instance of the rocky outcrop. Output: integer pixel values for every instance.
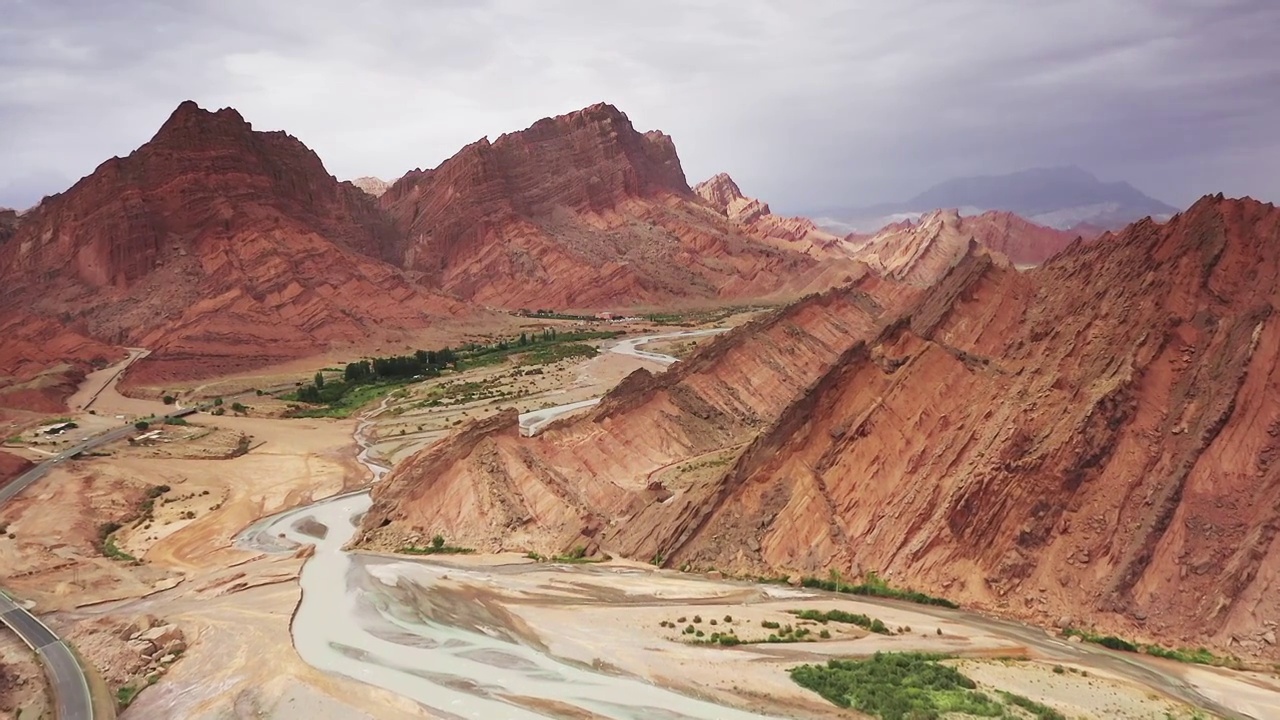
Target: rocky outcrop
(11, 466)
(921, 252)
(1094, 438)
(754, 216)
(582, 211)
(218, 247)
(372, 185)
(42, 361)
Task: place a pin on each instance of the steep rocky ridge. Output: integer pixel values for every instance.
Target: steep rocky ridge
(216, 246)
(580, 480)
(581, 211)
(1093, 439)
(919, 252)
(753, 215)
(1104, 449)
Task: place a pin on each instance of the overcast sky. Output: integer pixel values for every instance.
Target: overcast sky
(807, 104)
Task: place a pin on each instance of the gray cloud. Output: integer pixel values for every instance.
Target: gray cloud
(806, 104)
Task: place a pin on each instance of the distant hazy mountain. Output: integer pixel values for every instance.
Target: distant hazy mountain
(1061, 197)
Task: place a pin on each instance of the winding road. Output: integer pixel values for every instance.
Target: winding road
(72, 699)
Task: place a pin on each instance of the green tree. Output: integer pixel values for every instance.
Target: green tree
(167, 399)
(238, 408)
(524, 339)
(142, 425)
(319, 381)
(437, 542)
(217, 401)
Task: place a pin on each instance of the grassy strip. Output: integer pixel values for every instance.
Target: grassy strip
(576, 556)
(1196, 656)
(351, 400)
(873, 586)
(437, 547)
(875, 625)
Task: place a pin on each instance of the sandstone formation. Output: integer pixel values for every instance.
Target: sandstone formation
(11, 466)
(754, 216)
(920, 252)
(42, 361)
(1095, 438)
(372, 185)
(583, 211)
(217, 247)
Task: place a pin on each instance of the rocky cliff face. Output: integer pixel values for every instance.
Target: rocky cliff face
(754, 216)
(216, 246)
(579, 211)
(1092, 439)
(372, 185)
(42, 361)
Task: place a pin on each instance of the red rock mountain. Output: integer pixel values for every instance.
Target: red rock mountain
(219, 248)
(921, 251)
(582, 211)
(1095, 438)
(796, 233)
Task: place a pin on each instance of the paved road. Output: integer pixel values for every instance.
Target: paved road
(66, 677)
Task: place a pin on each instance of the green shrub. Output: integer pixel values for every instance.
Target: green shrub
(897, 686)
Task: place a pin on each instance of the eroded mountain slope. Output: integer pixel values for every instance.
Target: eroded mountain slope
(1094, 439)
(582, 211)
(582, 480)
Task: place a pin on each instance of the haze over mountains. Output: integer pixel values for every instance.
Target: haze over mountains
(1066, 198)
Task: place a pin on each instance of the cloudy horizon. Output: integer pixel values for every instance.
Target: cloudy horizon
(817, 106)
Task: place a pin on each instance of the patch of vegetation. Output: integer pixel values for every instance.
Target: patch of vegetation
(437, 547)
(176, 421)
(867, 623)
(1038, 710)
(142, 425)
(898, 686)
(578, 555)
(873, 586)
(111, 550)
(548, 354)
(126, 695)
(1198, 656)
